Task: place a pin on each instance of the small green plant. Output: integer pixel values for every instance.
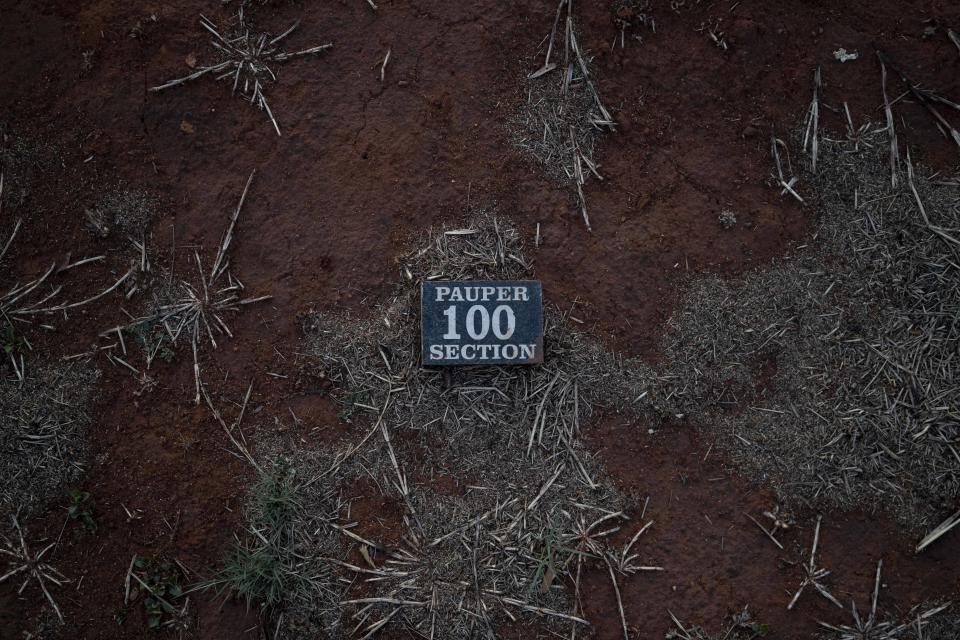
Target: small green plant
(161, 583)
(12, 342)
(80, 509)
(551, 548)
(273, 501)
(262, 571)
(348, 410)
(153, 339)
(257, 573)
(744, 626)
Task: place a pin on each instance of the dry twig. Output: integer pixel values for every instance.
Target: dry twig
(814, 575)
(31, 566)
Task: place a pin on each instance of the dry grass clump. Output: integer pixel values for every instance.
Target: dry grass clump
(246, 59)
(679, 5)
(20, 160)
(23, 302)
(833, 375)
(43, 423)
(126, 211)
(535, 506)
(941, 627)
(28, 566)
(546, 122)
(920, 624)
(563, 116)
(192, 310)
(727, 219)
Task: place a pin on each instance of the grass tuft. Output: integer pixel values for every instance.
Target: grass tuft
(257, 574)
(266, 568)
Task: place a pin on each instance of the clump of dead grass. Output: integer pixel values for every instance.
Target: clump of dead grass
(127, 211)
(727, 219)
(28, 566)
(24, 302)
(833, 375)
(563, 116)
(43, 423)
(741, 626)
(191, 310)
(921, 623)
(941, 627)
(632, 18)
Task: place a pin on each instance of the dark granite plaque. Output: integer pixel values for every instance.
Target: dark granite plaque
(471, 322)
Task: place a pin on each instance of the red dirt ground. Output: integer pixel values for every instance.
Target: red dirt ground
(363, 165)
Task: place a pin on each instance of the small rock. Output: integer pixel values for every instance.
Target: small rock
(843, 55)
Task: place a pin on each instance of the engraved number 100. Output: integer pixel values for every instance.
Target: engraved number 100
(479, 322)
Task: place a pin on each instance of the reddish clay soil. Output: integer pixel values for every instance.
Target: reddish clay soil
(363, 165)
(716, 561)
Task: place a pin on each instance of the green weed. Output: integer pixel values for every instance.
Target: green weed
(257, 574)
(153, 339)
(162, 585)
(80, 509)
(547, 569)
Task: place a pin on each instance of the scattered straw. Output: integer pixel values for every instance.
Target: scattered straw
(563, 116)
(834, 374)
(535, 505)
(43, 423)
